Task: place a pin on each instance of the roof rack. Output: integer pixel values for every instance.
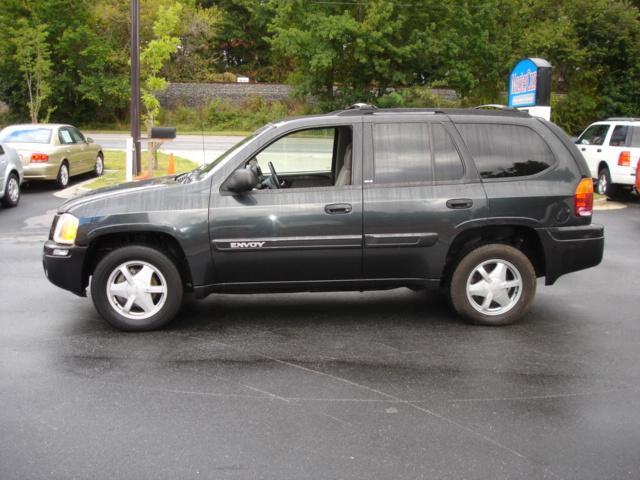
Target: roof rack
(623, 119)
(358, 109)
(494, 106)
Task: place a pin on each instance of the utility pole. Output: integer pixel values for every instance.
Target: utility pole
(135, 84)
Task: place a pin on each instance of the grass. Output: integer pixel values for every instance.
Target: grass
(114, 168)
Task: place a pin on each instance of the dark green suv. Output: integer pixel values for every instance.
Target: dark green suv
(479, 203)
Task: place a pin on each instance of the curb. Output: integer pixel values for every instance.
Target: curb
(606, 204)
(74, 191)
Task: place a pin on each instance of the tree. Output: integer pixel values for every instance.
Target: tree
(33, 58)
(154, 56)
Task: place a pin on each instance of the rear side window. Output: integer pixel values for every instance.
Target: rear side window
(402, 153)
(448, 164)
(635, 137)
(594, 135)
(503, 151)
(619, 136)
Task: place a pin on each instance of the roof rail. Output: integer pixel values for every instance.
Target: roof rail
(623, 119)
(358, 109)
(494, 106)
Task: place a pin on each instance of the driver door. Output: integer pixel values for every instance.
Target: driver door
(308, 230)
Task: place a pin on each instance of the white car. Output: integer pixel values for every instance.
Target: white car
(11, 176)
(612, 149)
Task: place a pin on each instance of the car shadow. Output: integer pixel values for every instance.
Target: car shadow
(50, 185)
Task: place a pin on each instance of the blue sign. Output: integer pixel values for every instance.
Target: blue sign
(523, 84)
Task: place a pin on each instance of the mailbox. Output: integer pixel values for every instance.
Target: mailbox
(163, 133)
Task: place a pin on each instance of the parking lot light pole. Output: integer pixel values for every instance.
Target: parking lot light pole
(135, 84)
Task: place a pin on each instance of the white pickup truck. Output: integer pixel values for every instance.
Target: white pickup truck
(612, 149)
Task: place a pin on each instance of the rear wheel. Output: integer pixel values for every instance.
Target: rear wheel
(604, 185)
(62, 180)
(493, 285)
(12, 191)
(137, 288)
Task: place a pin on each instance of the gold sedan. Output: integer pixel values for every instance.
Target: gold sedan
(53, 152)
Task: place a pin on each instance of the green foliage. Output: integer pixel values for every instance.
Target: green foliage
(154, 56)
(223, 114)
(33, 58)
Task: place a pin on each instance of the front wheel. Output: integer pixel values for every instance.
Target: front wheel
(137, 288)
(493, 285)
(98, 167)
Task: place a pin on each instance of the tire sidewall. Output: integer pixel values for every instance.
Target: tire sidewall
(59, 178)
(458, 288)
(6, 200)
(99, 160)
(140, 253)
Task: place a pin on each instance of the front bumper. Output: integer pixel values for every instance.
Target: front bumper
(65, 271)
(569, 249)
(41, 171)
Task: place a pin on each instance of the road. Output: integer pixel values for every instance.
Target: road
(379, 385)
(198, 148)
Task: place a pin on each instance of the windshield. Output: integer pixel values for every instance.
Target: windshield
(26, 135)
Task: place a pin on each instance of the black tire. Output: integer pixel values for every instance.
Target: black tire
(465, 271)
(62, 180)
(132, 254)
(98, 168)
(604, 185)
(11, 189)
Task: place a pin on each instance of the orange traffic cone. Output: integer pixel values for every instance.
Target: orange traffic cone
(171, 167)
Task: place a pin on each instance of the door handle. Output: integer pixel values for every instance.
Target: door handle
(338, 208)
(459, 203)
(599, 150)
(583, 149)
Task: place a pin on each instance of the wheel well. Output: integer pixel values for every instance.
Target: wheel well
(164, 242)
(523, 238)
(602, 165)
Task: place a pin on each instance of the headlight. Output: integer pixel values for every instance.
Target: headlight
(66, 229)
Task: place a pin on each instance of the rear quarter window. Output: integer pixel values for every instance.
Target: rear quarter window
(506, 151)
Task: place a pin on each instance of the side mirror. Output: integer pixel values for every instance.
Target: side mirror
(240, 181)
(89, 140)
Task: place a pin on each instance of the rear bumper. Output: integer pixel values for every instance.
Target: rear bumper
(41, 171)
(569, 249)
(65, 271)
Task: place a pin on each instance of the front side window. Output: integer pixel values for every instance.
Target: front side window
(594, 135)
(77, 136)
(501, 151)
(316, 157)
(402, 153)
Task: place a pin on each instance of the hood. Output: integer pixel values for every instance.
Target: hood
(126, 188)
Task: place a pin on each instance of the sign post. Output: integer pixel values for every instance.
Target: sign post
(530, 87)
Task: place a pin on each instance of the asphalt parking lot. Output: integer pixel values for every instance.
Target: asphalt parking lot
(378, 385)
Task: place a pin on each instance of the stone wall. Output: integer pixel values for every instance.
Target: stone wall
(200, 94)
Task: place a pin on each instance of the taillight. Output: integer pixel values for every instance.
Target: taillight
(39, 158)
(624, 159)
(583, 198)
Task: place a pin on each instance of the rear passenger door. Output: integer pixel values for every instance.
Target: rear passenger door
(72, 151)
(419, 187)
(591, 144)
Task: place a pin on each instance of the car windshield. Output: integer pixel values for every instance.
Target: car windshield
(26, 135)
(221, 160)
